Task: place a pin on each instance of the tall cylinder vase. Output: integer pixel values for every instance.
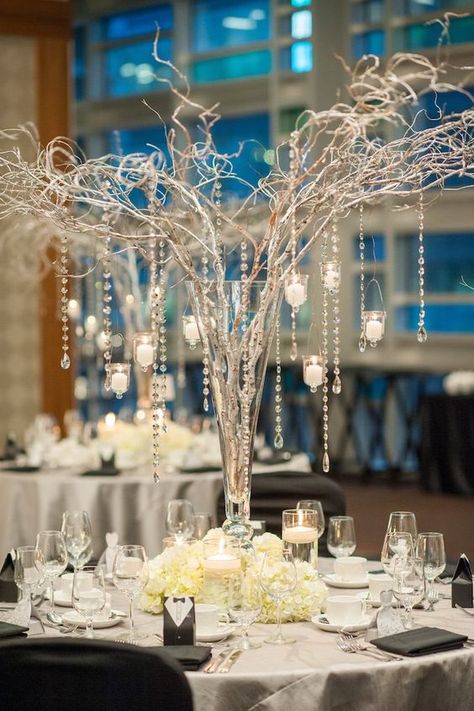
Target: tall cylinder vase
(236, 321)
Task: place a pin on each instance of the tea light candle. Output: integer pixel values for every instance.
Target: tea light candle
(191, 331)
(300, 534)
(222, 564)
(119, 382)
(295, 295)
(373, 330)
(145, 354)
(313, 375)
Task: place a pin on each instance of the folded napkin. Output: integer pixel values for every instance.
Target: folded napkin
(423, 640)
(190, 657)
(8, 588)
(9, 630)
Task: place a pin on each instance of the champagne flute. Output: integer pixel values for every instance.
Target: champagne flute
(314, 506)
(395, 546)
(51, 562)
(341, 536)
(278, 578)
(130, 575)
(179, 519)
(430, 548)
(88, 595)
(202, 524)
(77, 532)
(244, 605)
(409, 585)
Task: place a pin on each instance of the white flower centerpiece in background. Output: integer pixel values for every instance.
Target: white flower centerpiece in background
(180, 571)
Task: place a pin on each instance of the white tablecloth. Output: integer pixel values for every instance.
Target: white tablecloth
(131, 503)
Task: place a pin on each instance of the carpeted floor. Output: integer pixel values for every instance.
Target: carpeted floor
(371, 504)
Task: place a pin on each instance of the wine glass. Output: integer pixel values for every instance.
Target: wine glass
(88, 595)
(395, 546)
(130, 575)
(430, 548)
(179, 519)
(244, 605)
(202, 524)
(402, 521)
(28, 579)
(409, 585)
(77, 532)
(314, 506)
(278, 578)
(341, 536)
(51, 562)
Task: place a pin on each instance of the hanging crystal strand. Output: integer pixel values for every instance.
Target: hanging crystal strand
(107, 304)
(155, 390)
(63, 268)
(278, 441)
(421, 333)
(245, 396)
(162, 332)
(337, 384)
(218, 227)
(325, 384)
(362, 339)
(293, 241)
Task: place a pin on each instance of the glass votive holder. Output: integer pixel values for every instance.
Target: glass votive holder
(119, 378)
(191, 331)
(331, 276)
(171, 542)
(144, 349)
(373, 326)
(296, 289)
(300, 534)
(313, 371)
(222, 564)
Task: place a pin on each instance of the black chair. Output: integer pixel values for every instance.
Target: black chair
(87, 675)
(274, 492)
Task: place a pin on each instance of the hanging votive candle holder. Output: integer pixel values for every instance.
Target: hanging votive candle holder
(144, 349)
(221, 563)
(300, 534)
(313, 371)
(119, 378)
(296, 289)
(331, 276)
(374, 326)
(191, 331)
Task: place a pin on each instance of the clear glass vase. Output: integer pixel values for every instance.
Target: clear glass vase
(236, 322)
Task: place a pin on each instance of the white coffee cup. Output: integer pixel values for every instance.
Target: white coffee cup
(378, 582)
(350, 568)
(344, 610)
(207, 617)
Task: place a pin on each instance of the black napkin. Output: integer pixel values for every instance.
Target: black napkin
(461, 586)
(423, 640)
(8, 630)
(23, 469)
(190, 657)
(199, 470)
(8, 589)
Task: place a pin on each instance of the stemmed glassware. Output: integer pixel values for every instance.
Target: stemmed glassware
(314, 506)
(396, 546)
(180, 519)
(202, 524)
(77, 531)
(408, 585)
(28, 579)
(244, 605)
(402, 521)
(430, 548)
(341, 536)
(130, 575)
(51, 562)
(278, 578)
(88, 595)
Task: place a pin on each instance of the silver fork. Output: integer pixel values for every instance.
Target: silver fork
(355, 646)
(214, 664)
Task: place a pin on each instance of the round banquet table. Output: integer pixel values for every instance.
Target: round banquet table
(314, 675)
(130, 504)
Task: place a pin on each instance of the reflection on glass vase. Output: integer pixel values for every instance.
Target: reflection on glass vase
(236, 322)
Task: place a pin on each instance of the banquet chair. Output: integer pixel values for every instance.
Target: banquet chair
(274, 492)
(87, 675)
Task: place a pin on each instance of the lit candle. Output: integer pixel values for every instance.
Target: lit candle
(373, 330)
(119, 382)
(110, 420)
(295, 295)
(222, 564)
(191, 331)
(313, 375)
(300, 534)
(73, 308)
(145, 354)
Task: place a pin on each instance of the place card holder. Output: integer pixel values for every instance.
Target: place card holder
(461, 586)
(179, 621)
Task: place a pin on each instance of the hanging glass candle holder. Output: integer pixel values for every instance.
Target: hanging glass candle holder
(373, 326)
(296, 289)
(144, 349)
(331, 275)
(119, 378)
(313, 371)
(190, 331)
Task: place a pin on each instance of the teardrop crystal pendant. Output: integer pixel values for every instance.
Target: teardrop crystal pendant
(278, 441)
(362, 343)
(294, 351)
(422, 335)
(326, 463)
(337, 385)
(156, 477)
(65, 361)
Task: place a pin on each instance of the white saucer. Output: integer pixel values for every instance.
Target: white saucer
(74, 618)
(62, 599)
(322, 623)
(334, 582)
(214, 635)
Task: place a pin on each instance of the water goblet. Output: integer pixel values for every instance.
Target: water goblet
(130, 575)
(244, 605)
(402, 521)
(77, 531)
(88, 595)
(341, 536)
(395, 546)
(28, 579)
(51, 562)
(408, 585)
(179, 519)
(278, 577)
(202, 524)
(430, 548)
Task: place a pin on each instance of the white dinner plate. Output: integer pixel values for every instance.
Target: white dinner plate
(323, 623)
(333, 581)
(216, 635)
(74, 618)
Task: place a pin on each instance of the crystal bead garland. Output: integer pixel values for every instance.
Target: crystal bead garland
(278, 441)
(421, 333)
(107, 303)
(294, 309)
(64, 258)
(336, 384)
(155, 395)
(325, 349)
(245, 406)
(162, 332)
(362, 339)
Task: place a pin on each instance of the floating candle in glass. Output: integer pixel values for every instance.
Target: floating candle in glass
(190, 331)
(144, 352)
(221, 556)
(300, 534)
(119, 378)
(374, 326)
(313, 371)
(296, 289)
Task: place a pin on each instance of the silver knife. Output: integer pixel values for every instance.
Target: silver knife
(229, 661)
(215, 662)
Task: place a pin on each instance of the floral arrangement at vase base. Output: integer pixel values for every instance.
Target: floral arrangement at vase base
(180, 571)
